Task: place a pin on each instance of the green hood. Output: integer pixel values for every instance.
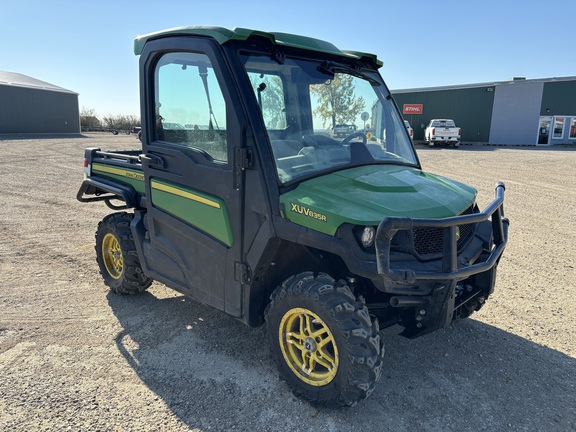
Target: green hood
(365, 195)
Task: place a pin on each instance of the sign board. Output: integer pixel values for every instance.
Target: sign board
(413, 109)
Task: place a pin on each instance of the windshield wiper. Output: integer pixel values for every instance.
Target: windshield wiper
(331, 68)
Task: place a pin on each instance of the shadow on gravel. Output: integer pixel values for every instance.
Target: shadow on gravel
(215, 373)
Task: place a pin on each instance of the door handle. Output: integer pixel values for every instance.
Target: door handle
(152, 161)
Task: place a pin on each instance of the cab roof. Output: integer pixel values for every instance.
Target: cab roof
(223, 35)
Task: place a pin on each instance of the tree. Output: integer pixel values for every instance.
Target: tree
(90, 122)
(88, 119)
(268, 90)
(120, 122)
(336, 100)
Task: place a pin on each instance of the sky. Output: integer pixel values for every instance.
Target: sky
(87, 47)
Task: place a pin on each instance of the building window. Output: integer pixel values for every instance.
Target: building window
(558, 127)
(573, 128)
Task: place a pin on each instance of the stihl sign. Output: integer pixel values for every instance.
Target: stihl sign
(412, 109)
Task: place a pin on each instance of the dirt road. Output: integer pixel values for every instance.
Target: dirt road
(75, 357)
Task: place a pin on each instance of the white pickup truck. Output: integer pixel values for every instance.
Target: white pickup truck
(442, 131)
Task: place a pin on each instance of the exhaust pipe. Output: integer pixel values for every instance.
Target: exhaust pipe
(408, 301)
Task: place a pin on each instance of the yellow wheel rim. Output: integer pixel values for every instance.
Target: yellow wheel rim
(112, 256)
(308, 347)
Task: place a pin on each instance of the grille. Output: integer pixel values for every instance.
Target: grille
(429, 241)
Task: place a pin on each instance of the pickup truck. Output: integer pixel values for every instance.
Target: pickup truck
(409, 129)
(442, 131)
(137, 131)
(342, 130)
(323, 241)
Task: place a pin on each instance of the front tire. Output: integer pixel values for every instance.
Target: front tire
(323, 341)
(117, 256)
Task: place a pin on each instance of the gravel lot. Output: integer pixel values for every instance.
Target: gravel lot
(75, 357)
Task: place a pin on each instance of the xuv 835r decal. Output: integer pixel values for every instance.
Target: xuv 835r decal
(303, 210)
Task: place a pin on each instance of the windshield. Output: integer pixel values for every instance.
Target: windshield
(322, 116)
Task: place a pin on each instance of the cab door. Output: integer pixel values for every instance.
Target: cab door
(192, 130)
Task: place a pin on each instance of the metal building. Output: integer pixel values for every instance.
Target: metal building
(31, 106)
(514, 112)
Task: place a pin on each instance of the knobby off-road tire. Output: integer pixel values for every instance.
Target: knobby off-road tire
(323, 341)
(117, 256)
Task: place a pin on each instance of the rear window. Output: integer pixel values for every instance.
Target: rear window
(444, 123)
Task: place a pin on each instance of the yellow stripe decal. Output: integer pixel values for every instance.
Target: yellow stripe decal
(179, 192)
(118, 171)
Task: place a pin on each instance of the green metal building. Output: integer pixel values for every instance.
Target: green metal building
(514, 112)
(31, 106)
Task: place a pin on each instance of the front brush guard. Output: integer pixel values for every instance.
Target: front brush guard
(448, 268)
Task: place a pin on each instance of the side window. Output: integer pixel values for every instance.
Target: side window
(189, 106)
(269, 92)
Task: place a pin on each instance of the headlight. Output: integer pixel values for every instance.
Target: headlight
(367, 237)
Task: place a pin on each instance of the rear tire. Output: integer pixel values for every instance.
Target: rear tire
(323, 341)
(117, 256)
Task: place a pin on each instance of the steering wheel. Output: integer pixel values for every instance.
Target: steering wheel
(354, 135)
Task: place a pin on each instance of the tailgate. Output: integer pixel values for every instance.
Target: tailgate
(446, 132)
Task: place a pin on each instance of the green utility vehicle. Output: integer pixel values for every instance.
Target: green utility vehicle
(241, 199)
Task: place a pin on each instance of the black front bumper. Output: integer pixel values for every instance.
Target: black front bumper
(429, 295)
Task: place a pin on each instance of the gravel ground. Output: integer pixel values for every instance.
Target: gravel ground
(75, 357)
